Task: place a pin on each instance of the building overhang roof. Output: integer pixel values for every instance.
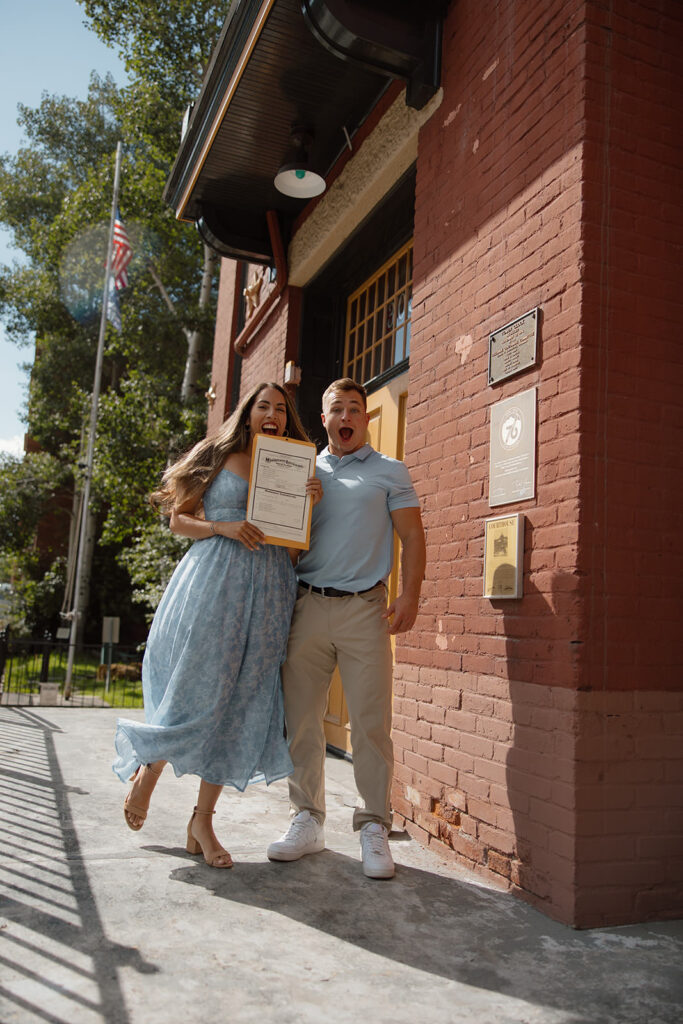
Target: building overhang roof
(320, 64)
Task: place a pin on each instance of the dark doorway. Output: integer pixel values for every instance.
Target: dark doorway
(388, 227)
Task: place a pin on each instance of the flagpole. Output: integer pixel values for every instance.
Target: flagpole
(76, 612)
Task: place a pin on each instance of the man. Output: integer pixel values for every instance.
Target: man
(341, 618)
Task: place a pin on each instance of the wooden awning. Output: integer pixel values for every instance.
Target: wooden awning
(320, 64)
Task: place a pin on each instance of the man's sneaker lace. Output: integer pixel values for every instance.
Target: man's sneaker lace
(304, 835)
(375, 852)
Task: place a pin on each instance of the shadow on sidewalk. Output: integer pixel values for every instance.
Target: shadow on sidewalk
(476, 936)
(56, 962)
(432, 943)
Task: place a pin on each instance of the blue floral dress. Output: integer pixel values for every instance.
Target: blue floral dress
(211, 670)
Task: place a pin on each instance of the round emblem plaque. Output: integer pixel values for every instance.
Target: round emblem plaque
(511, 428)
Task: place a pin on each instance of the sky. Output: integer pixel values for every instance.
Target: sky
(44, 47)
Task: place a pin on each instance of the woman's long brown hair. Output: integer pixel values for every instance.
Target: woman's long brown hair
(194, 471)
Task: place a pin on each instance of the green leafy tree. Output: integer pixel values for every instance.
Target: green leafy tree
(167, 42)
(32, 492)
(151, 561)
(55, 197)
(28, 487)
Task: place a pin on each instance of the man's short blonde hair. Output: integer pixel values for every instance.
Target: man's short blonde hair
(345, 384)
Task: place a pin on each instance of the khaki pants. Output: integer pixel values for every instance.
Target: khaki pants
(348, 632)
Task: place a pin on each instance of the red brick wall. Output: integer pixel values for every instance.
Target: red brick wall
(266, 353)
(632, 363)
(484, 724)
(497, 746)
(630, 753)
(226, 320)
(629, 798)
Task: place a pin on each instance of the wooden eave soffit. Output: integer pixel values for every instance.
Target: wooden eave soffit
(399, 39)
(223, 176)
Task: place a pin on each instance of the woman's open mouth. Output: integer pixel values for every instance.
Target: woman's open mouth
(268, 428)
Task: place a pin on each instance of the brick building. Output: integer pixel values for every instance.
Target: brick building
(483, 161)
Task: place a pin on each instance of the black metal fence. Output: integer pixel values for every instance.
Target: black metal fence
(103, 675)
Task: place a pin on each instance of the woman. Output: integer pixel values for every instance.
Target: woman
(211, 671)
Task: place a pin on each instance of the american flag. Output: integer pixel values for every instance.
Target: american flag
(121, 255)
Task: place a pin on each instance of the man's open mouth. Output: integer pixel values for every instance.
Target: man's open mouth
(346, 433)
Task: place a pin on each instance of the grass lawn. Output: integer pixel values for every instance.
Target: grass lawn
(23, 672)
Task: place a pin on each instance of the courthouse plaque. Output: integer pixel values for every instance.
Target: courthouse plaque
(512, 348)
(512, 455)
(503, 556)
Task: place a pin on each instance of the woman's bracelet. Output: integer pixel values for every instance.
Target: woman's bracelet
(212, 527)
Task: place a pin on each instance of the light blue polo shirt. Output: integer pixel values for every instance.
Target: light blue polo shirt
(351, 531)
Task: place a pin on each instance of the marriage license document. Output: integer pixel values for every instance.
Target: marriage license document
(277, 501)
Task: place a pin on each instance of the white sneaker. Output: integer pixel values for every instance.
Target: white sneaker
(375, 852)
(304, 835)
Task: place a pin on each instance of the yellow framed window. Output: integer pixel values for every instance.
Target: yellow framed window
(378, 316)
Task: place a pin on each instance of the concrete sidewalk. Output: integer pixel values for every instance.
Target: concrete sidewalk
(98, 923)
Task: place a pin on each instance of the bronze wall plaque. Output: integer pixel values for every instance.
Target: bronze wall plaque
(503, 556)
(513, 348)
